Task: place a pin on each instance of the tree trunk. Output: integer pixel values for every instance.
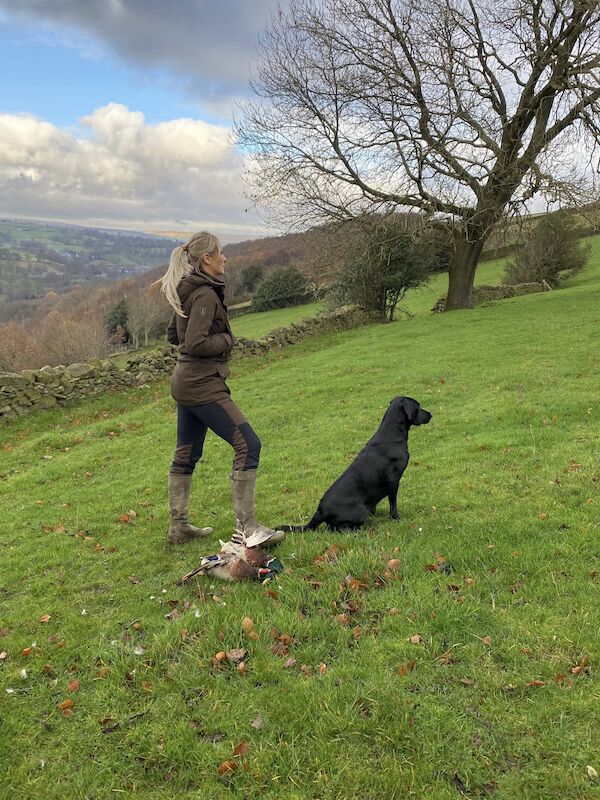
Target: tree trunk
(461, 274)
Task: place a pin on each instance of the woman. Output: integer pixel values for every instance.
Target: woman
(194, 286)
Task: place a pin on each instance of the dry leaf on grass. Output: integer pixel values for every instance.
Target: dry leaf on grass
(405, 668)
(247, 624)
(235, 656)
(241, 749)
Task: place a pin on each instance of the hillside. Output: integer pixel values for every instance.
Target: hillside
(37, 258)
(45, 268)
(452, 653)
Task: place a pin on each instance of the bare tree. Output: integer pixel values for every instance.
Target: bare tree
(66, 340)
(146, 313)
(460, 109)
(17, 349)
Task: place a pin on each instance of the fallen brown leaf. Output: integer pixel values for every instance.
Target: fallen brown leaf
(45, 618)
(328, 557)
(247, 624)
(227, 767)
(405, 668)
(415, 639)
(241, 749)
(74, 685)
(66, 704)
(446, 658)
(238, 655)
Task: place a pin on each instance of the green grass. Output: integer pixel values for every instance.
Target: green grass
(503, 484)
(256, 325)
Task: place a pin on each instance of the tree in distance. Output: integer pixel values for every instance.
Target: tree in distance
(386, 260)
(552, 246)
(284, 287)
(117, 319)
(461, 110)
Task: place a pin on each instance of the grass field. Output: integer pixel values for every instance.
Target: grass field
(469, 669)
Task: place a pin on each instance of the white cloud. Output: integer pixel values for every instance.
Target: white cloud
(183, 173)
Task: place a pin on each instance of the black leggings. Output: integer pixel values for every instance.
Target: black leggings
(227, 421)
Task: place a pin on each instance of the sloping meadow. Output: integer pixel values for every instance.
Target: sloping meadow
(453, 653)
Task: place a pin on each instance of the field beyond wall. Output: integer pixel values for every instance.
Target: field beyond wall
(452, 654)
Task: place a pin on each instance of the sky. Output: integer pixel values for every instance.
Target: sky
(118, 113)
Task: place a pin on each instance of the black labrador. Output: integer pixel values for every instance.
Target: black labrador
(374, 474)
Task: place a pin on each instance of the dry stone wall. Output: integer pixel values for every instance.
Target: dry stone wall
(483, 294)
(34, 390)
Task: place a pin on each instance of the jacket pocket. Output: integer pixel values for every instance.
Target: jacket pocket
(223, 371)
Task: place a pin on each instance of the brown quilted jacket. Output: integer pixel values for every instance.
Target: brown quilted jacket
(204, 340)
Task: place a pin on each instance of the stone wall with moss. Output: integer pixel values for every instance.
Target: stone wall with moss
(34, 390)
(483, 294)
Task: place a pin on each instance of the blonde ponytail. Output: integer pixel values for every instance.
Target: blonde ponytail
(183, 260)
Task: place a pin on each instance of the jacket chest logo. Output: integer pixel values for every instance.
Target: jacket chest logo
(202, 310)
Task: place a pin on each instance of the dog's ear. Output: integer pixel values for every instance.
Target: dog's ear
(408, 407)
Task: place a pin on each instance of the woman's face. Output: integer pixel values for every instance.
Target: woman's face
(214, 263)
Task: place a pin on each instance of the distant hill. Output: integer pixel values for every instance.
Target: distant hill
(37, 258)
(44, 267)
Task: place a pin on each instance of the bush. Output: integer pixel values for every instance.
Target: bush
(116, 319)
(383, 264)
(553, 245)
(283, 287)
(250, 277)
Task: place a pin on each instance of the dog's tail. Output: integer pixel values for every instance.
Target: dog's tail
(310, 526)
